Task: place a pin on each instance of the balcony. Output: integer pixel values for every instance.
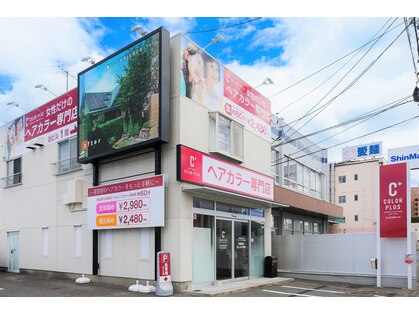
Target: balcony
(65, 166)
(12, 180)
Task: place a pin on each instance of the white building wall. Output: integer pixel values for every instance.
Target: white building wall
(40, 202)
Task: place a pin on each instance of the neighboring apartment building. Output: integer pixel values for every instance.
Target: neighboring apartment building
(99, 182)
(415, 201)
(300, 169)
(353, 185)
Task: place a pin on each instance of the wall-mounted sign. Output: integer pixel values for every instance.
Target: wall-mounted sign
(407, 154)
(393, 201)
(133, 204)
(204, 80)
(203, 169)
(124, 99)
(362, 151)
(54, 121)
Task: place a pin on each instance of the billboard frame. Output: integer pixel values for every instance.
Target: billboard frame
(164, 132)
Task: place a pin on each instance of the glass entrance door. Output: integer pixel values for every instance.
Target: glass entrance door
(232, 251)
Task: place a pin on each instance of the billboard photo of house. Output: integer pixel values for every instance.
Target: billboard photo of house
(119, 100)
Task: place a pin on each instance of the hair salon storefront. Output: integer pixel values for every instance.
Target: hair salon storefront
(231, 217)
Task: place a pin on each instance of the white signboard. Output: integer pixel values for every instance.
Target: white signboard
(407, 154)
(132, 204)
(362, 151)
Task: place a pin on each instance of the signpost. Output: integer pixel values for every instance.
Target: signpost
(164, 285)
(394, 211)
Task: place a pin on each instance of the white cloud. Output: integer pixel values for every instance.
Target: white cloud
(31, 49)
(313, 43)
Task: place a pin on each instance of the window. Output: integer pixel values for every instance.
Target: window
(355, 197)
(298, 226)
(14, 172)
(355, 177)
(342, 179)
(342, 199)
(316, 227)
(288, 224)
(356, 217)
(276, 165)
(226, 136)
(308, 227)
(68, 156)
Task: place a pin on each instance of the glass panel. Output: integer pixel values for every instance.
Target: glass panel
(241, 249)
(224, 258)
(257, 249)
(224, 134)
(298, 226)
(300, 174)
(10, 173)
(257, 212)
(203, 249)
(237, 140)
(73, 154)
(204, 204)
(212, 132)
(64, 155)
(17, 170)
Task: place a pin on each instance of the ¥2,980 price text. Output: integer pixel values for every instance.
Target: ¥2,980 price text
(134, 204)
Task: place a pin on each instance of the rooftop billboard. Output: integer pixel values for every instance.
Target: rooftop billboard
(124, 99)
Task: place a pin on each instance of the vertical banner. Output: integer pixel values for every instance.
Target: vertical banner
(393, 201)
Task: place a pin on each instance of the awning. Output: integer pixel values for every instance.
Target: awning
(251, 201)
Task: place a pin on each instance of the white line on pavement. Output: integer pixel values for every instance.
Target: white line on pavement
(303, 288)
(296, 294)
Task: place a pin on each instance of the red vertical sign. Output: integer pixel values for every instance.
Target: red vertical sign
(393, 201)
(164, 264)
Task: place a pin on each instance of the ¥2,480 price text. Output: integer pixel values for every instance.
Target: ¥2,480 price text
(133, 219)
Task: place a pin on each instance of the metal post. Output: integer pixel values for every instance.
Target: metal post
(95, 247)
(157, 230)
(409, 233)
(378, 239)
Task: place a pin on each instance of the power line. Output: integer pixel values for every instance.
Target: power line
(362, 121)
(348, 87)
(357, 51)
(325, 67)
(366, 115)
(379, 130)
(224, 27)
(410, 46)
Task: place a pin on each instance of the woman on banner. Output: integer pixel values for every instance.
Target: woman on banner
(192, 73)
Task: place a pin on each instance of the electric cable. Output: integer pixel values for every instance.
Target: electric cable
(371, 113)
(224, 27)
(357, 51)
(325, 67)
(362, 121)
(353, 139)
(319, 110)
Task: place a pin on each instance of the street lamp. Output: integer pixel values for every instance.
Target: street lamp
(266, 81)
(138, 29)
(45, 88)
(88, 59)
(215, 40)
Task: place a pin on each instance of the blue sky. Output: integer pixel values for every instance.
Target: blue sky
(286, 48)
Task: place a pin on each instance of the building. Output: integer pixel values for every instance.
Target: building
(415, 201)
(101, 182)
(300, 169)
(353, 185)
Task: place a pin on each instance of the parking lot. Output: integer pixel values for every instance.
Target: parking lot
(309, 288)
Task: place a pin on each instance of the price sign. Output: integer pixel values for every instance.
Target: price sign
(138, 203)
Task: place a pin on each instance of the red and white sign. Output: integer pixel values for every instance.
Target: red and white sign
(199, 168)
(246, 105)
(393, 201)
(164, 266)
(132, 204)
(56, 120)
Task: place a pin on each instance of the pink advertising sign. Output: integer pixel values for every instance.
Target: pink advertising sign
(56, 119)
(199, 168)
(131, 204)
